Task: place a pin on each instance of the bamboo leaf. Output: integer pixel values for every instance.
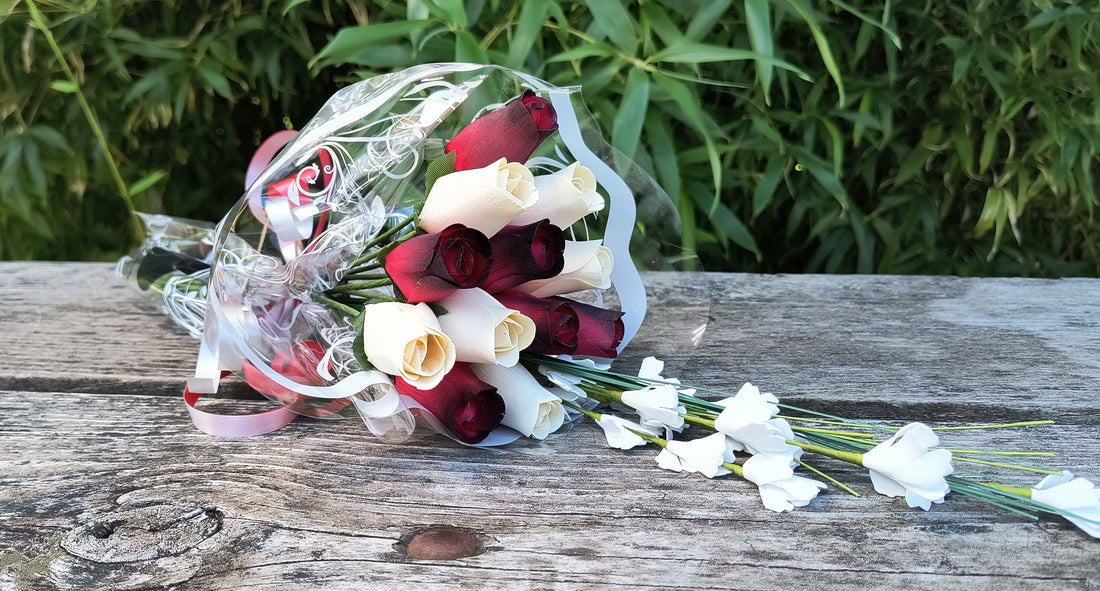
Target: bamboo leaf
(627, 127)
(769, 182)
(807, 15)
(531, 17)
(698, 53)
(146, 182)
(467, 49)
(453, 12)
(353, 41)
(64, 86)
(689, 104)
(758, 19)
(704, 19)
(613, 19)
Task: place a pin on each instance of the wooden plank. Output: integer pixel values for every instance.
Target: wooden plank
(104, 482)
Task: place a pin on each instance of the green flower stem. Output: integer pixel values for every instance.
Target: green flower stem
(337, 305)
(1012, 490)
(1033, 454)
(379, 239)
(352, 271)
(365, 277)
(844, 456)
(1006, 466)
(841, 434)
(595, 416)
(101, 139)
(999, 426)
(699, 422)
(832, 480)
(360, 286)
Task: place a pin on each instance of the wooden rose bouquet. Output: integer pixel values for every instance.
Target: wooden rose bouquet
(456, 244)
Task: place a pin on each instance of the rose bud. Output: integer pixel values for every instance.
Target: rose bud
(525, 253)
(512, 132)
(483, 330)
(529, 408)
(468, 407)
(430, 267)
(599, 331)
(587, 265)
(485, 198)
(298, 364)
(556, 322)
(405, 340)
(564, 197)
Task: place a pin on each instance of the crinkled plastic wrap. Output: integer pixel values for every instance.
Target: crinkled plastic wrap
(359, 168)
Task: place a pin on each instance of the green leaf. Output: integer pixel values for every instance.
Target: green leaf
(663, 149)
(467, 49)
(838, 145)
(216, 80)
(453, 12)
(733, 228)
(807, 15)
(613, 19)
(64, 86)
(50, 136)
(758, 19)
(527, 31)
(993, 210)
(880, 25)
(989, 145)
(705, 17)
(689, 104)
(291, 4)
(352, 41)
(768, 183)
(630, 116)
(579, 53)
(441, 166)
(1049, 16)
(697, 53)
(964, 147)
(654, 18)
(148, 181)
(357, 346)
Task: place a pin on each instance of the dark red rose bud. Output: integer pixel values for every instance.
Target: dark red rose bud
(512, 132)
(525, 253)
(600, 330)
(466, 406)
(544, 116)
(556, 322)
(430, 267)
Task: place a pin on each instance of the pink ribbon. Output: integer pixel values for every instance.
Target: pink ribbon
(236, 425)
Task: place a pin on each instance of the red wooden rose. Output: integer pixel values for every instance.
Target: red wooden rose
(512, 132)
(430, 267)
(468, 407)
(525, 253)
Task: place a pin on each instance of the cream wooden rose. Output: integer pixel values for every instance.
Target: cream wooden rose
(483, 330)
(587, 266)
(487, 198)
(528, 407)
(405, 340)
(564, 197)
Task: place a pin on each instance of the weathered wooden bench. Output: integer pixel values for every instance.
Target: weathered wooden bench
(104, 482)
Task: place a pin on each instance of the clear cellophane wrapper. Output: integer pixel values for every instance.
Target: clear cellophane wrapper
(358, 168)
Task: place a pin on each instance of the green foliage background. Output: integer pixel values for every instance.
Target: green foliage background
(796, 135)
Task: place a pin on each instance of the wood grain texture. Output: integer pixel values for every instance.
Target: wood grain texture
(104, 483)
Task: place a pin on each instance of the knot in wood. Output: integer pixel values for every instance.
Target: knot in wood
(442, 543)
(141, 533)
